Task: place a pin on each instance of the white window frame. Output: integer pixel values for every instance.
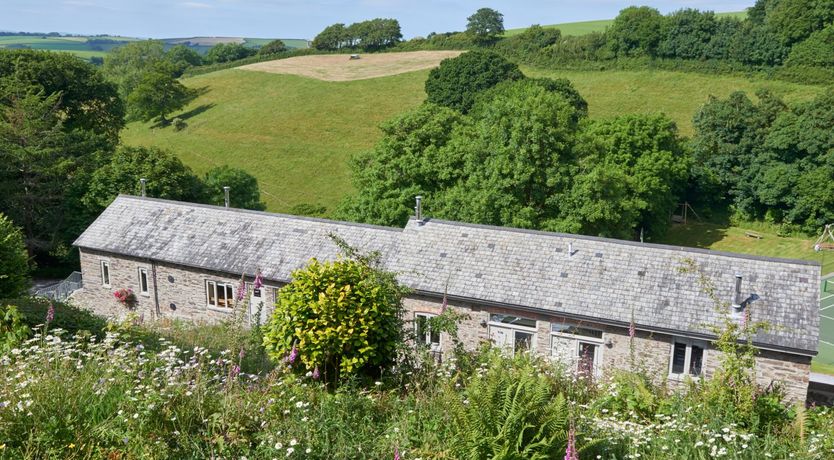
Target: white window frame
(212, 287)
(578, 341)
(105, 266)
(687, 361)
(584, 338)
(426, 340)
(515, 328)
(147, 291)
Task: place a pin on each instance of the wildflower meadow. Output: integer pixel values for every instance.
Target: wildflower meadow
(73, 386)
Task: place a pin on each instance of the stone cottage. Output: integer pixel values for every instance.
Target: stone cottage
(594, 304)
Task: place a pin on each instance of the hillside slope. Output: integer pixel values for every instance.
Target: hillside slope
(294, 134)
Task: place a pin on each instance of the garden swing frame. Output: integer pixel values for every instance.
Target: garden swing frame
(827, 234)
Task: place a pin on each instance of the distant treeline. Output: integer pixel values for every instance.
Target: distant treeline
(371, 35)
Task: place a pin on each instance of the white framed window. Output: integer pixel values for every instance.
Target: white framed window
(577, 346)
(105, 273)
(143, 281)
(512, 333)
(687, 358)
(219, 294)
(425, 335)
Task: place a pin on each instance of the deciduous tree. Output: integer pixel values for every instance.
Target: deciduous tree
(244, 193)
(273, 47)
(157, 95)
(167, 177)
(485, 25)
(457, 81)
(14, 261)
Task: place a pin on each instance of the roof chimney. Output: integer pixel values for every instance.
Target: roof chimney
(737, 300)
(418, 209)
(142, 183)
(226, 189)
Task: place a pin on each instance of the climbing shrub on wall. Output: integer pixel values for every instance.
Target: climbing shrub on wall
(337, 319)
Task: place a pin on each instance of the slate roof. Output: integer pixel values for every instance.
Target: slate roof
(226, 240)
(607, 279)
(603, 280)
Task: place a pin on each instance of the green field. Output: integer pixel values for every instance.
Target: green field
(587, 27)
(677, 94)
(294, 134)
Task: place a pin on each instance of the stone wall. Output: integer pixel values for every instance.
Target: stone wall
(174, 291)
(652, 351)
(180, 292)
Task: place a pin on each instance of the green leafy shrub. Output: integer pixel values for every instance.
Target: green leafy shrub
(67, 317)
(457, 81)
(14, 261)
(12, 328)
(340, 319)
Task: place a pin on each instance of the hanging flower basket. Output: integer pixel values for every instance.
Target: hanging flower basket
(125, 297)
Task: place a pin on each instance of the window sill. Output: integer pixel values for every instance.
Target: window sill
(684, 377)
(220, 309)
(145, 294)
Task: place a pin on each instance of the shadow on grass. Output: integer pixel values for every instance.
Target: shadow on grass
(694, 235)
(195, 111)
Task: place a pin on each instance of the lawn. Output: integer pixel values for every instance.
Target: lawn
(587, 27)
(734, 239)
(294, 134)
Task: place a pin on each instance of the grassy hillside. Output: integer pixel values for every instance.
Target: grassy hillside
(586, 27)
(296, 134)
(677, 94)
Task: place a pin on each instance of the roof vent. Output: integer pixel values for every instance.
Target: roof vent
(418, 208)
(571, 252)
(142, 183)
(226, 189)
(737, 300)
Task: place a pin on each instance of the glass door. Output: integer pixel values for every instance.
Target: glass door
(589, 356)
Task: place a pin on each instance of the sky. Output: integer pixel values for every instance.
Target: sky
(300, 18)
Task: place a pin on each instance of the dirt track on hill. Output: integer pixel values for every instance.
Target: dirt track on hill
(339, 67)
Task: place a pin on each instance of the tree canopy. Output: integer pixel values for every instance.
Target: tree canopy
(486, 25)
(636, 31)
(156, 95)
(524, 156)
(772, 160)
(227, 52)
(244, 193)
(273, 47)
(370, 35)
(14, 261)
(167, 177)
(456, 82)
(58, 119)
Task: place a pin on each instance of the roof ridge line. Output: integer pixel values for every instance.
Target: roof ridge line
(260, 213)
(601, 239)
